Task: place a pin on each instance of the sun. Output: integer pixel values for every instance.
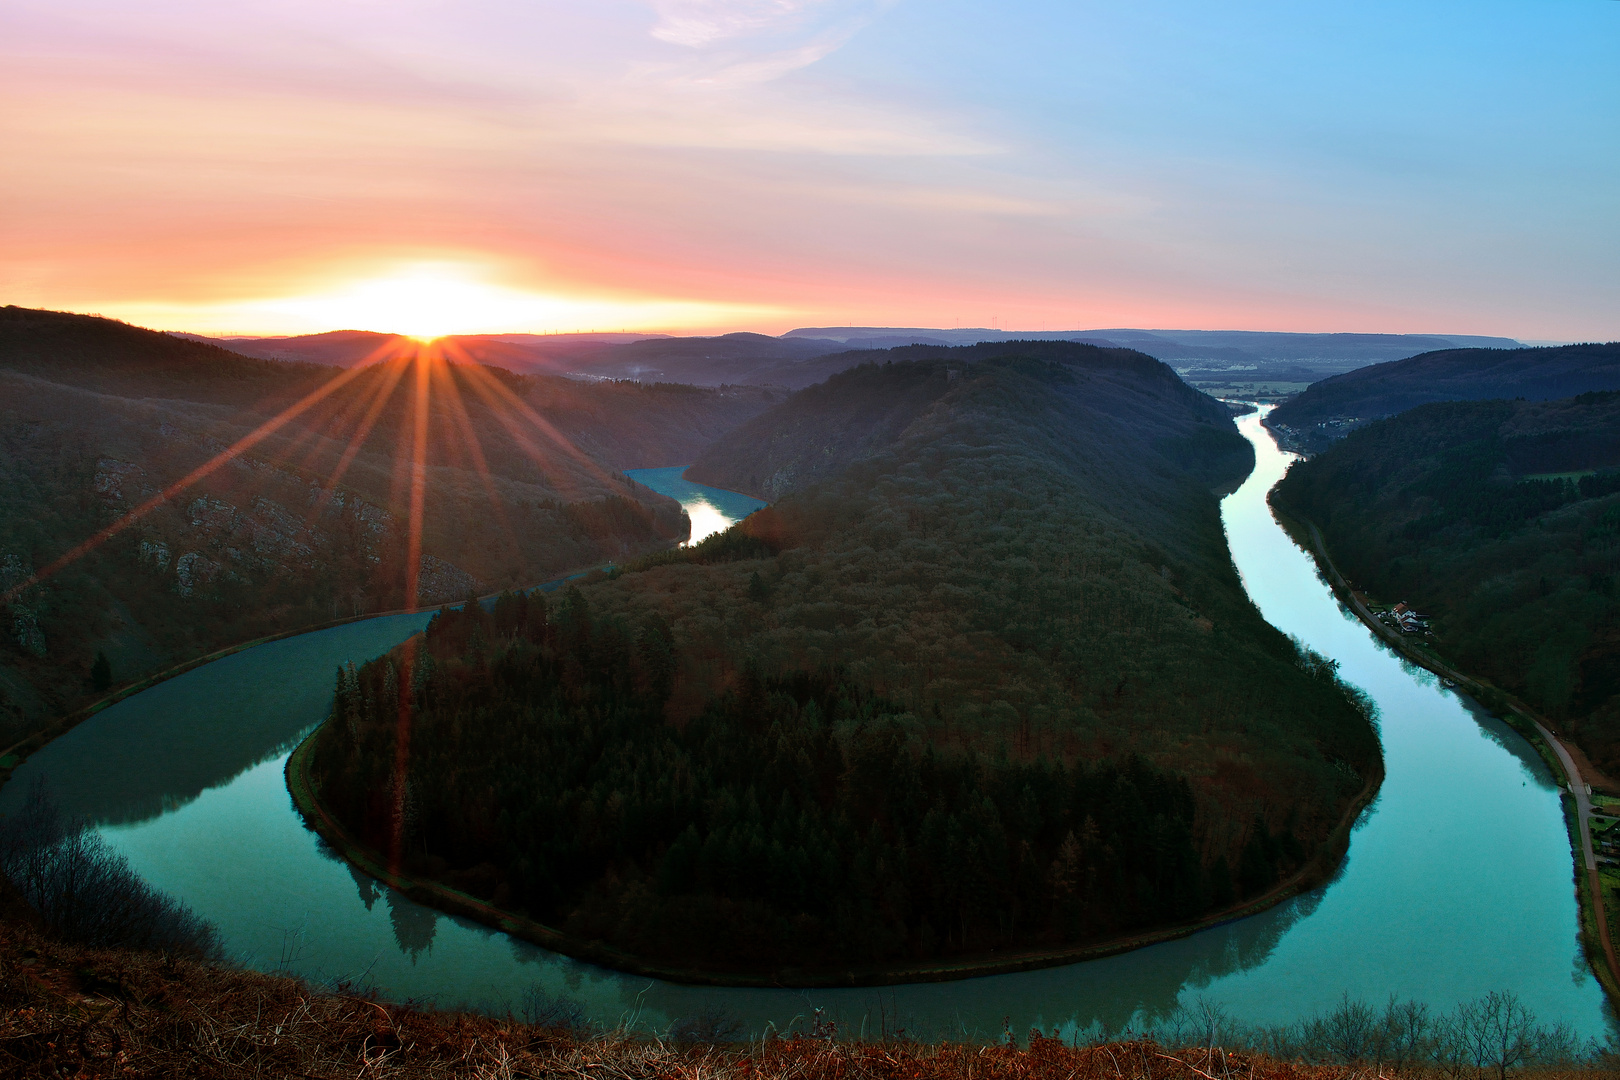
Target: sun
(426, 302)
(434, 299)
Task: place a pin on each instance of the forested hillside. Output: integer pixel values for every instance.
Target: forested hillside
(552, 354)
(1501, 520)
(863, 411)
(522, 479)
(994, 684)
(1327, 410)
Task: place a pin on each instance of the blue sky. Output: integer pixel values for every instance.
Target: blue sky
(724, 164)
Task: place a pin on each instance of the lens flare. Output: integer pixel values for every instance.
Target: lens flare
(428, 300)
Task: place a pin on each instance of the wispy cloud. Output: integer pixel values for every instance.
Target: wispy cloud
(750, 160)
(742, 42)
(699, 24)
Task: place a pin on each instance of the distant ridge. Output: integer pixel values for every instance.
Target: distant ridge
(1333, 407)
(807, 355)
(524, 353)
(1255, 345)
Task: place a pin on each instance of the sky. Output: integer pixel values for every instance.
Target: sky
(293, 166)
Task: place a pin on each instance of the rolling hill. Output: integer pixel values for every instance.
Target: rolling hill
(1329, 409)
(983, 680)
(308, 518)
(734, 359)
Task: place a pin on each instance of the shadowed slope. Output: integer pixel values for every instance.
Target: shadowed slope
(1328, 409)
(1501, 521)
(164, 497)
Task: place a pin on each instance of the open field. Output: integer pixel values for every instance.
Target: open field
(1265, 390)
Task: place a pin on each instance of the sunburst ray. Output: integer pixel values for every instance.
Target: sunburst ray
(236, 449)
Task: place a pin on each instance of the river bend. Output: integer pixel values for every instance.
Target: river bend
(1458, 880)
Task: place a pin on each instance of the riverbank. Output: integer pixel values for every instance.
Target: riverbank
(18, 752)
(1597, 937)
(1456, 884)
(1316, 872)
(69, 1011)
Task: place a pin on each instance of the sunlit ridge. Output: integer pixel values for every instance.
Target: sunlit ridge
(428, 300)
(436, 367)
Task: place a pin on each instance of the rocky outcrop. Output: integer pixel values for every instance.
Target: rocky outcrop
(23, 610)
(121, 481)
(441, 580)
(194, 569)
(155, 552)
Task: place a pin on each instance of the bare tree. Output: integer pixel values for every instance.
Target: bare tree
(1503, 1034)
(1407, 1033)
(86, 892)
(543, 1009)
(1349, 1033)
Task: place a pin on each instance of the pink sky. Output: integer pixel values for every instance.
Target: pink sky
(685, 165)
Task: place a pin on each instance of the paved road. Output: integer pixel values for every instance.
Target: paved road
(1583, 802)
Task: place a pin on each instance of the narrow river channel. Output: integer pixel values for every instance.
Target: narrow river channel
(1458, 880)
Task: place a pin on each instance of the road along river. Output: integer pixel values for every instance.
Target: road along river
(1458, 880)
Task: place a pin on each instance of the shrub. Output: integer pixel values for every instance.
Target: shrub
(87, 893)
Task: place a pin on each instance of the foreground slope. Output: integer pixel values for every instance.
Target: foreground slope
(1330, 408)
(991, 683)
(1501, 521)
(522, 478)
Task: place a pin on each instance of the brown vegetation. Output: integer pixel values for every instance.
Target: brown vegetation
(68, 1011)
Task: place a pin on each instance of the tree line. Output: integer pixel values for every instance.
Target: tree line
(792, 822)
(1517, 569)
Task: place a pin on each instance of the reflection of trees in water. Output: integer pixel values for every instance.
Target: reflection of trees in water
(1250, 942)
(369, 889)
(161, 749)
(1151, 984)
(1502, 734)
(1132, 990)
(414, 925)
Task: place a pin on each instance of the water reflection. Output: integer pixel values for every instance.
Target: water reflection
(712, 510)
(158, 751)
(367, 886)
(1457, 883)
(414, 925)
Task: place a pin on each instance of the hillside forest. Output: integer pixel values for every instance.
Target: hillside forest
(991, 682)
(1332, 407)
(1501, 521)
(309, 520)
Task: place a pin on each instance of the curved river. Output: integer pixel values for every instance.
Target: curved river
(1458, 881)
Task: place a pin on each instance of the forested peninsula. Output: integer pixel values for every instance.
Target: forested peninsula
(987, 681)
(1500, 521)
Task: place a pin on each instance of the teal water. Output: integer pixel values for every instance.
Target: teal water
(1458, 882)
(712, 510)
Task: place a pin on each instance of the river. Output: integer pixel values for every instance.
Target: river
(1458, 880)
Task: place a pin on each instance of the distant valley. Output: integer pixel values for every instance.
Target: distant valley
(310, 519)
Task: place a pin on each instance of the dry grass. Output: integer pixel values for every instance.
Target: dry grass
(70, 1012)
